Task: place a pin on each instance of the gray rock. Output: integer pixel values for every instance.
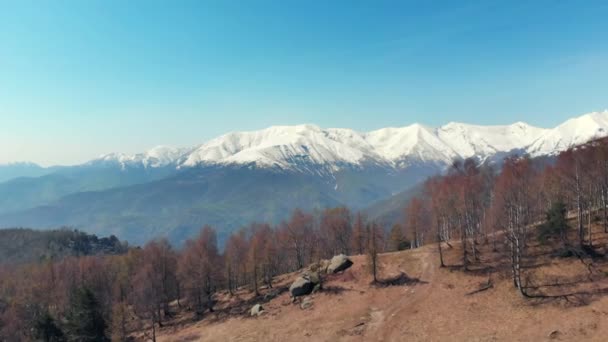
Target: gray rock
(301, 286)
(314, 277)
(270, 295)
(339, 263)
(313, 267)
(306, 303)
(257, 310)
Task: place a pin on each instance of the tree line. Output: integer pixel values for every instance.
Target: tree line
(99, 297)
(505, 207)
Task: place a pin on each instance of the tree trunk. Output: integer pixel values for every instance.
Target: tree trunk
(605, 210)
(465, 257)
(255, 280)
(160, 323)
(579, 209)
(439, 245)
(589, 225)
(153, 331)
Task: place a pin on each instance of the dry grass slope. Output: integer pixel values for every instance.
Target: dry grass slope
(427, 304)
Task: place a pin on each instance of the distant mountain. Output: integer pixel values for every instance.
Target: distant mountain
(263, 175)
(226, 197)
(298, 148)
(573, 132)
(14, 170)
(28, 192)
(392, 210)
(20, 245)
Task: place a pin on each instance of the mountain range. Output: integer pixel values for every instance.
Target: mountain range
(262, 175)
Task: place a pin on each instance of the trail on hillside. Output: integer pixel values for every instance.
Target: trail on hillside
(392, 321)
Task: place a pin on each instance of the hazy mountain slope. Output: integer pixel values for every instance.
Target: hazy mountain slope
(14, 170)
(28, 192)
(226, 197)
(180, 205)
(392, 210)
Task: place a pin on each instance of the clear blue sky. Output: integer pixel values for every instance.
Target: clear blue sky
(81, 78)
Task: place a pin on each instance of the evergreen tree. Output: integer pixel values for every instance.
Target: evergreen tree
(556, 224)
(85, 319)
(46, 330)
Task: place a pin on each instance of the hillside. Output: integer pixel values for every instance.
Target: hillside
(392, 210)
(21, 245)
(15, 170)
(431, 304)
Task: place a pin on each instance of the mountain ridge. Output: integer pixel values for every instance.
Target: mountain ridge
(289, 147)
(245, 177)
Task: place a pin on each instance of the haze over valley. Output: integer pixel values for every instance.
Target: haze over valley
(172, 192)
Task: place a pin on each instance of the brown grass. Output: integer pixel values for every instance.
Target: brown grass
(418, 301)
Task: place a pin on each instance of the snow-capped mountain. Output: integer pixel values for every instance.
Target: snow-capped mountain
(299, 147)
(573, 132)
(159, 156)
(173, 192)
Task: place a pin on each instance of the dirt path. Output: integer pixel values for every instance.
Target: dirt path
(394, 321)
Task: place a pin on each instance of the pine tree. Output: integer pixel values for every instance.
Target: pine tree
(555, 224)
(45, 329)
(85, 319)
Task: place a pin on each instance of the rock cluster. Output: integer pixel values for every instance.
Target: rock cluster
(311, 278)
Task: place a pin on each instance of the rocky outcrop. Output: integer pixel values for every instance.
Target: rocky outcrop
(339, 263)
(311, 278)
(302, 286)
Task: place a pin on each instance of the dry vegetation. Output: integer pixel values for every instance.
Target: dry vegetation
(431, 303)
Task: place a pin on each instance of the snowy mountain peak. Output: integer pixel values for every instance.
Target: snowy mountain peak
(159, 156)
(302, 147)
(573, 132)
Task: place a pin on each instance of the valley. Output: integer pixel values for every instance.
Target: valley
(172, 192)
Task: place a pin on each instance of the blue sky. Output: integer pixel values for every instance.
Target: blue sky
(82, 78)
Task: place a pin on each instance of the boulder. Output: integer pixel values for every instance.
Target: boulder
(339, 263)
(306, 303)
(319, 267)
(270, 295)
(323, 265)
(314, 277)
(314, 267)
(257, 310)
(301, 286)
